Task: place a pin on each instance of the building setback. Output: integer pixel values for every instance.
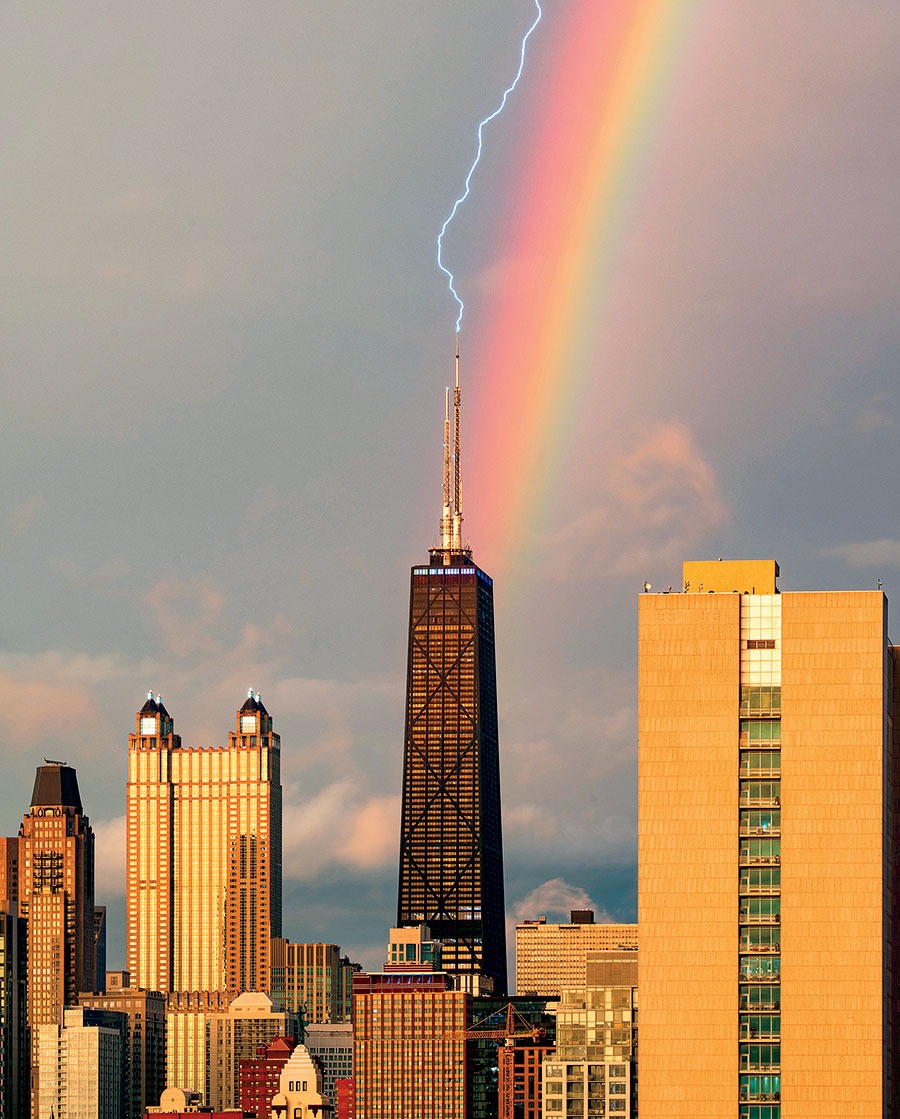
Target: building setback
(451, 856)
(765, 849)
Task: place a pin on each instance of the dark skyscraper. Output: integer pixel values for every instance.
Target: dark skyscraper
(451, 851)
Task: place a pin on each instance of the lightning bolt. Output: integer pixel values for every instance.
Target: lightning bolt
(466, 191)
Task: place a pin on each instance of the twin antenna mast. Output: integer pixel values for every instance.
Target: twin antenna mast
(451, 518)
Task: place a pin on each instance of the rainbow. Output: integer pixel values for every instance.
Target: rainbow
(596, 111)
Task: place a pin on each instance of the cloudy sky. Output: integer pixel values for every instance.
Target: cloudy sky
(226, 342)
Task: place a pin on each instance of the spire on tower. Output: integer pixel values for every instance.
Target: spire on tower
(451, 514)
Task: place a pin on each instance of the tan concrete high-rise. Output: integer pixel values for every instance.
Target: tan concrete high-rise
(552, 957)
(145, 1037)
(204, 854)
(764, 849)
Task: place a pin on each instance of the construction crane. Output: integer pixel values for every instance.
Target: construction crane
(517, 1028)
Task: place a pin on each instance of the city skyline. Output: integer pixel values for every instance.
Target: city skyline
(228, 341)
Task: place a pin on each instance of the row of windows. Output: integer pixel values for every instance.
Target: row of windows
(760, 996)
(760, 878)
(760, 820)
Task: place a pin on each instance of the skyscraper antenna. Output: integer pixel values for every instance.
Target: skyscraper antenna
(457, 479)
(451, 514)
(447, 514)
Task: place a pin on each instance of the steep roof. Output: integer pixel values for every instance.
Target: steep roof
(56, 784)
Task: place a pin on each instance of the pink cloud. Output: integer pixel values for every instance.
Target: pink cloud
(372, 837)
(654, 499)
(362, 830)
(34, 710)
(555, 899)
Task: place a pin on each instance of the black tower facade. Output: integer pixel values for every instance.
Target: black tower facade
(451, 848)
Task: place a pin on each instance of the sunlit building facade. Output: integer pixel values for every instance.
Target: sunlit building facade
(82, 1067)
(451, 855)
(187, 1023)
(300, 1093)
(204, 854)
(551, 957)
(55, 882)
(252, 1021)
(410, 1047)
(260, 1077)
(765, 841)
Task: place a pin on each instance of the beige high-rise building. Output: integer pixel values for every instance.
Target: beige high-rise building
(765, 842)
(204, 854)
(550, 957)
(82, 1065)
